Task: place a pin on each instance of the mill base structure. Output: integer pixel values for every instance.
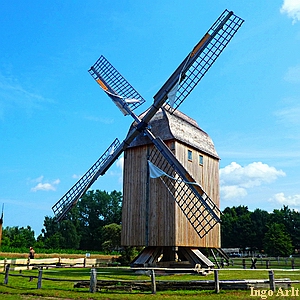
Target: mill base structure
(179, 258)
(171, 257)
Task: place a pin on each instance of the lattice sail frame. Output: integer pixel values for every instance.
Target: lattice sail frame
(211, 45)
(66, 202)
(114, 84)
(193, 205)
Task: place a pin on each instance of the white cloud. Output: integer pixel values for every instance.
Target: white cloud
(120, 163)
(56, 181)
(13, 94)
(281, 199)
(293, 74)
(75, 176)
(232, 192)
(235, 179)
(289, 115)
(292, 9)
(45, 186)
(98, 119)
(39, 179)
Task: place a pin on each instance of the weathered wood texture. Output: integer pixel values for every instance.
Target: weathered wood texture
(207, 175)
(151, 217)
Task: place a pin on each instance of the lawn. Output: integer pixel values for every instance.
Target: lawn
(19, 287)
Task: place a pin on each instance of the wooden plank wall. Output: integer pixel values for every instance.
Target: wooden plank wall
(161, 222)
(208, 176)
(134, 197)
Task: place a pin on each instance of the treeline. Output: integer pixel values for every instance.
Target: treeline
(94, 224)
(276, 233)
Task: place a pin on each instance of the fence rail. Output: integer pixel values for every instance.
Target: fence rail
(261, 263)
(29, 264)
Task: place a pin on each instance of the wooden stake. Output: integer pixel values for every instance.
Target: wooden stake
(217, 283)
(93, 281)
(39, 283)
(153, 282)
(272, 280)
(6, 273)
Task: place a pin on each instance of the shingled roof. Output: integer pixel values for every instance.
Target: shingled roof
(180, 127)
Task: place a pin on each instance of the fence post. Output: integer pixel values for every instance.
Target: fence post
(267, 264)
(39, 283)
(153, 282)
(4, 264)
(93, 281)
(272, 280)
(244, 263)
(6, 273)
(217, 283)
(293, 263)
(253, 263)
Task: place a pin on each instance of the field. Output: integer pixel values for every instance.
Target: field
(61, 285)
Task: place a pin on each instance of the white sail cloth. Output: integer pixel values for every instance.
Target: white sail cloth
(156, 172)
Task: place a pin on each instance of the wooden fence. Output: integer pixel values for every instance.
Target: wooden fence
(152, 285)
(29, 264)
(161, 285)
(268, 263)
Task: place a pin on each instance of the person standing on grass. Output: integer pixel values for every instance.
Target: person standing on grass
(31, 253)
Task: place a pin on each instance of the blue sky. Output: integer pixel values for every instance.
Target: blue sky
(55, 121)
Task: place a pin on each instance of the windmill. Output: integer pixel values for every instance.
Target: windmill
(167, 209)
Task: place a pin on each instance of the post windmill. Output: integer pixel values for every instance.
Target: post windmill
(172, 207)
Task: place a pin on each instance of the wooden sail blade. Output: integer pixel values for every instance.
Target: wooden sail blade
(65, 204)
(116, 86)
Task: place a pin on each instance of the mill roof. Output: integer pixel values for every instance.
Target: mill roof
(180, 127)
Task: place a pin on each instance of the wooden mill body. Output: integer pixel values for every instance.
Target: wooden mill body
(150, 215)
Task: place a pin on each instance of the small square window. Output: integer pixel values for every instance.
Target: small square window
(190, 155)
(200, 159)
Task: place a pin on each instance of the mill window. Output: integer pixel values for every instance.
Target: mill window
(190, 155)
(200, 159)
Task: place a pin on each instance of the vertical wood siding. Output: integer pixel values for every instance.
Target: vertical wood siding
(162, 223)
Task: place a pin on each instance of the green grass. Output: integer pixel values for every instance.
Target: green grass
(21, 288)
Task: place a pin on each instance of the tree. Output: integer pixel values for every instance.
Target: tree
(128, 254)
(97, 209)
(69, 235)
(83, 226)
(18, 237)
(259, 219)
(112, 237)
(291, 221)
(236, 227)
(277, 241)
(51, 235)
